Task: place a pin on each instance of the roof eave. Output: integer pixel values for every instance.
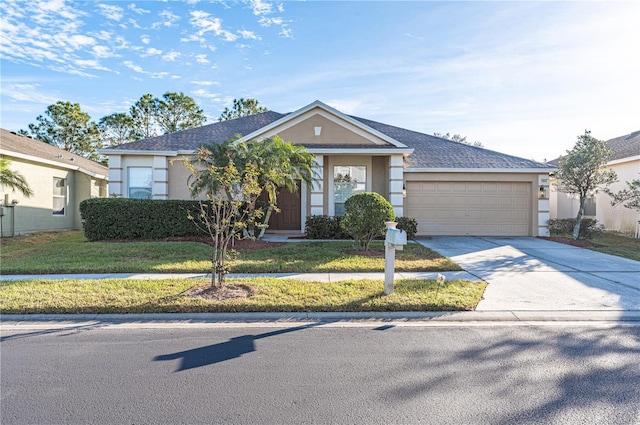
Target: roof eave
(137, 152)
(479, 170)
(360, 151)
(39, 160)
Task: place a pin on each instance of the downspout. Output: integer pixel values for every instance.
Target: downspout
(11, 205)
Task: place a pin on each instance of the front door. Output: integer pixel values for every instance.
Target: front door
(290, 209)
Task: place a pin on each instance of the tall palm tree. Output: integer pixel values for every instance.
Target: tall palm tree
(278, 164)
(13, 179)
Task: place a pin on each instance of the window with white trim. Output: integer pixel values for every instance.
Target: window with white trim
(59, 196)
(347, 181)
(140, 182)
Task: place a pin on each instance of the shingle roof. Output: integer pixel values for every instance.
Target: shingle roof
(193, 138)
(621, 147)
(429, 151)
(625, 146)
(436, 152)
(17, 143)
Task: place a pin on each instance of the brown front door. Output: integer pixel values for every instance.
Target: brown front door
(289, 216)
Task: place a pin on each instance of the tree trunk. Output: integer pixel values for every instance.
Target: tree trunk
(267, 216)
(576, 228)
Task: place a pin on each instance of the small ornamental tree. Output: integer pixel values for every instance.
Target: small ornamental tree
(224, 213)
(583, 170)
(364, 218)
(629, 196)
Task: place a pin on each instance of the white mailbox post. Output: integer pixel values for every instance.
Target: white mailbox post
(394, 239)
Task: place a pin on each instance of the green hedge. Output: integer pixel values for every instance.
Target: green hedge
(122, 218)
(327, 227)
(324, 227)
(589, 227)
(409, 225)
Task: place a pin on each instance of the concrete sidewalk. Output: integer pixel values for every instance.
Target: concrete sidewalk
(309, 277)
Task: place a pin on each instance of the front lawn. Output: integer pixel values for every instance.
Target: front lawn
(69, 252)
(615, 244)
(608, 243)
(268, 295)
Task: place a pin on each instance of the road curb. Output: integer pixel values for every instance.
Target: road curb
(409, 316)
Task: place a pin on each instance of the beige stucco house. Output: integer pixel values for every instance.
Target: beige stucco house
(59, 180)
(450, 188)
(625, 161)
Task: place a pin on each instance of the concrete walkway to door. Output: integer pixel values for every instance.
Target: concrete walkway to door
(536, 274)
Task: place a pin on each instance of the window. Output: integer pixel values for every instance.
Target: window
(347, 181)
(140, 182)
(590, 206)
(59, 196)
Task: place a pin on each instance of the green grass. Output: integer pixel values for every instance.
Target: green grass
(615, 244)
(269, 294)
(69, 252)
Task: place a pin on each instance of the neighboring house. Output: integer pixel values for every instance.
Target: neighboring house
(625, 161)
(450, 188)
(59, 180)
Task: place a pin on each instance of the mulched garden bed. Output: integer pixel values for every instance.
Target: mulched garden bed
(218, 293)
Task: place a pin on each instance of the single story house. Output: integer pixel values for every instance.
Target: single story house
(59, 180)
(625, 161)
(450, 188)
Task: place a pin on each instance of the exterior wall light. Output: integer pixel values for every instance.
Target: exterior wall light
(542, 193)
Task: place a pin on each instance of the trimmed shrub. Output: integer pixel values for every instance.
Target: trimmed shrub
(409, 225)
(123, 218)
(364, 218)
(324, 227)
(589, 227)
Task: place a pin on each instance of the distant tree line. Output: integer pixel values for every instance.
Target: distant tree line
(66, 126)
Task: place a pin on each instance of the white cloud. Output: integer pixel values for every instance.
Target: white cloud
(204, 83)
(91, 63)
(133, 23)
(206, 94)
(28, 93)
(137, 10)
(168, 19)
(202, 59)
(249, 35)
(151, 51)
(102, 35)
(205, 23)
(286, 32)
(145, 39)
(261, 7)
(171, 56)
(112, 12)
(134, 67)
(158, 75)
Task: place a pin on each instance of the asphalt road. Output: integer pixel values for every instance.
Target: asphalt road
(341, 373)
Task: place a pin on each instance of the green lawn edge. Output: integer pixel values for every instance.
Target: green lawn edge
(131, 296)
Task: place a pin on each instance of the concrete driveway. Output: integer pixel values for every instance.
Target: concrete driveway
(535, 274)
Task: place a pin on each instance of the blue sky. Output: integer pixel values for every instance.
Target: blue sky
(523, 78)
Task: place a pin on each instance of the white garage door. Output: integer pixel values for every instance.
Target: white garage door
(469, 208)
